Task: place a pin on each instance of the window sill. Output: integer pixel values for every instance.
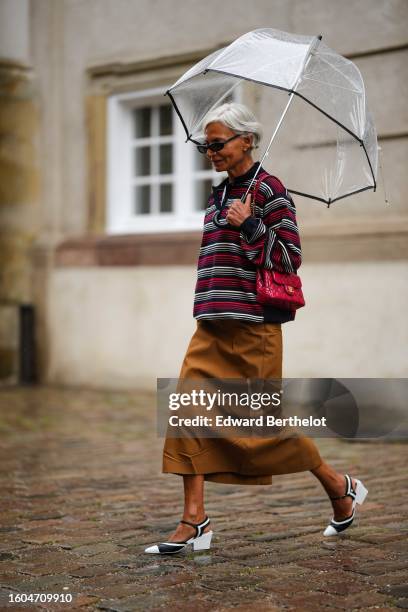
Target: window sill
(161, 249)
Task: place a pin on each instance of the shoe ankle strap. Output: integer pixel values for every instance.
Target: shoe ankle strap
(199, 527)
(350, 492)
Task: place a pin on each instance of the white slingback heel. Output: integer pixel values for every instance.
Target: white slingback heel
(358, 495)
(200, 541)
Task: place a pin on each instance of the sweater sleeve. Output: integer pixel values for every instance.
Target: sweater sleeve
(272, 239)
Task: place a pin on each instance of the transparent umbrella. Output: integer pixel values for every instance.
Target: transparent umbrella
(327, 101)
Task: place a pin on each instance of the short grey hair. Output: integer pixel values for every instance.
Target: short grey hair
(238, 117)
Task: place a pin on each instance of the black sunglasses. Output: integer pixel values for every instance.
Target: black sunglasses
(215, 146)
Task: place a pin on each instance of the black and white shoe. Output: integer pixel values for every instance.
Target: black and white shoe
(358, 495)
(200, 541)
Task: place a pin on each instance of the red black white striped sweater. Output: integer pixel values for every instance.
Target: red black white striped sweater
(229, 256)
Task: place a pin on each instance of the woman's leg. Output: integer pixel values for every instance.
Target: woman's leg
(193, 507)
(334, 484)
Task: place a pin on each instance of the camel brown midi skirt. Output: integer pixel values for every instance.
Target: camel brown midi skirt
(236, 349)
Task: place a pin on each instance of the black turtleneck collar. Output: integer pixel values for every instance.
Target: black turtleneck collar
(240, 179)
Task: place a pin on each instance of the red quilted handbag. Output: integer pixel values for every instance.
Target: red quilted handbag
(279, 289)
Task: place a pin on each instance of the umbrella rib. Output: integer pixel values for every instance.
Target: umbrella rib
(276, 63)
(168, 93)
(330, 201)
(331, 66)
(307, 78)
(369, 163)
(249, 79)
(178, 112)
(291, 91)
(329, 116)
(224, 95)
(308, 195)
(322, 59)
(346, 195)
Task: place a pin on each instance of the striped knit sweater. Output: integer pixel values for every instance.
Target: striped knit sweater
(229, 256)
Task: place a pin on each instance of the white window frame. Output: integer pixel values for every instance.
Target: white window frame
(120, 219)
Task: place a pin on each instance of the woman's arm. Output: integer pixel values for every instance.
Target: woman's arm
(272, 241)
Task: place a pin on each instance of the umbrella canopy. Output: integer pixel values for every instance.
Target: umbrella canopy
(318, 77)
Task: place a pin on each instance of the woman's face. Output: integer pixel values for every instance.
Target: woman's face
(233, 153)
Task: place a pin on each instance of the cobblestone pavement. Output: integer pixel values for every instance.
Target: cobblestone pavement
(82, 494)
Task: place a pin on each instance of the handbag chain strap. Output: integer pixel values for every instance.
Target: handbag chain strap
(255, 193)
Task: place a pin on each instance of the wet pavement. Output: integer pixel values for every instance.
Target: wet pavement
(82, 495)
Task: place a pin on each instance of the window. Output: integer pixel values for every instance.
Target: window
(156, 181)
(152, 154)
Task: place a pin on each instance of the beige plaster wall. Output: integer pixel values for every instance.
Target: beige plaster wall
(119, 328)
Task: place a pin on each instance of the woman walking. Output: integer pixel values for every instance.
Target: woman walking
(237, 337)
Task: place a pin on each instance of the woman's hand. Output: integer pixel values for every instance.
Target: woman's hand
(238, 211)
